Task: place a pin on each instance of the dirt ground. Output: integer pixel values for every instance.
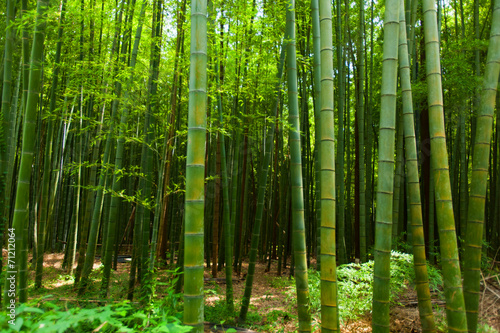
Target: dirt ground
(270, 295)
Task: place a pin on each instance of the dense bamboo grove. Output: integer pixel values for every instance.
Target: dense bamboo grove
(201, 135)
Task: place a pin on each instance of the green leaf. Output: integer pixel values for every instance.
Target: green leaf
(30, 309)
(18, 324)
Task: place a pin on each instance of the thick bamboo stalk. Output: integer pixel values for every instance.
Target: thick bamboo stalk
(329, 307)
(414, 203)
(398, 179)
(299, 237)
(385, 188)
(317, 115)
(455, 307)
(479, 179)
(195, 169)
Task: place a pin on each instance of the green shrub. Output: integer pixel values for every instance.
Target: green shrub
(161, 315)
(214, 313)
(355, 285)
(119, 317)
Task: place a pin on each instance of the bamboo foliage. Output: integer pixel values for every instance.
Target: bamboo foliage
(479, 179)
(455, 307)
(195, 169)
(383, 220)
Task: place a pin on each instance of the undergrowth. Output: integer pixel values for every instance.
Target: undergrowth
(164, 314)
(45, 317)
(355, 289)
(47, 314)
(355, 285)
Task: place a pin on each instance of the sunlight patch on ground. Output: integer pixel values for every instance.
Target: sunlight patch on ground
(61, 282)
(212, 299)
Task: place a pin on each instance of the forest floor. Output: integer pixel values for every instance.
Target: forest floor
(273, 306)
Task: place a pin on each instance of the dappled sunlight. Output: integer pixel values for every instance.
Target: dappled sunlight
(60, 283)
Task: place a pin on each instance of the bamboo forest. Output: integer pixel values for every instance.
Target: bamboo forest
(250, 166)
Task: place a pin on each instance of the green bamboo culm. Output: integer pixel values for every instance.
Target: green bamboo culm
(152, 103)
(99, 199)
(479, 179)
(452, 277)
(339, 172)
(415, 216)
(47, 173)
(299, 237)
(329, 307)
(385, 188)
(21, 215)
(226, 218)
(195, 169)
(263, 175)
(141, 229)
(7, 116)
(398, 178)
(5, 110)
(361, 134)
(317, 114)
(120, 149)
